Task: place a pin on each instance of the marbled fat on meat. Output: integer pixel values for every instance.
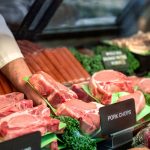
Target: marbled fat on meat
(27, 121)
(55, 92)
(13, 102)
(139, 100)
(106, 82)
(86, 113)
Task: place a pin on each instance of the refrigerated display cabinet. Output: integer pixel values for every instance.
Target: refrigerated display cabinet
(46, 20)
(53, 19)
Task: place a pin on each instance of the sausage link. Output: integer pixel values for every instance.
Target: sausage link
(57, 65)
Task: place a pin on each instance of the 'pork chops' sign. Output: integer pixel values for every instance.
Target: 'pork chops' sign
(117, 117)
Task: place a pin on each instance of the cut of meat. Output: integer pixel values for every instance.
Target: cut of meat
(86, 113)
(58, 86)
(103, 83)
(15, 107)
(134, 80)
(27, 121)
(139, 100)
(13, 102)
(41, 84)
(82, 95)
(58, 97)
(142, 83)
(10, 99)
(54, 145)
(55, 92)
(14, 95)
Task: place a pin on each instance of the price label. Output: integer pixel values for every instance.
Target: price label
(30, 141)
(115, 60)
(117, 117)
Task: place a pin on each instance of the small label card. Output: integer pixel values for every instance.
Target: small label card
(115, 60)
(30, 141)
(117, 117)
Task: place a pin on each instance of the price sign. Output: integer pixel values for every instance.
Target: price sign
(115, 60)
(117, 117)
(30, 141)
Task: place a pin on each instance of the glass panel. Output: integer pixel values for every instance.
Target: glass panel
(85, 13)
(14, 11)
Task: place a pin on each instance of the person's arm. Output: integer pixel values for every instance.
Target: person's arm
(12, 63)
(15, 71)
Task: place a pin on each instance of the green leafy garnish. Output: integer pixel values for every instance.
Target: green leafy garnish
(47, 139)
(73, 138)
(87, 90)
(116, 96)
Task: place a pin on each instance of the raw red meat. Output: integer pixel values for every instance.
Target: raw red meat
(27, 121)
(41, 84)
(139, 100)
(103, 83)
(54, 145)
(13, 102)
(86, 113)
(55, 92)
(10, 99)
(15, 107)
(134, 80)
(82, 95)
(142, 83)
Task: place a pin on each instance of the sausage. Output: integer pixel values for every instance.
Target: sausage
(41, 64)
(59, 55)
(55, 74)
(80, 71)
(1, 90)
(13, 88)
(23, 48)
(5, 84)
(30, 67)
(30, 61)
(57, 64)
(34, 47)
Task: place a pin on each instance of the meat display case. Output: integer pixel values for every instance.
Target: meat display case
(47, 20)
(51, 19)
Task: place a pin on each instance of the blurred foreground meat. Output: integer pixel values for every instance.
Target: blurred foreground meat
(13, 102)
(19, 117)
(27, 121)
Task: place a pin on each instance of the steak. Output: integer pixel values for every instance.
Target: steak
(139, 100)
(142, 83)
(18, 106)
(103, 83)
(14, 95)
(13, 102)
(82, 95)
(55, 92)
(27, 121)
(86, 113)
(10, 99)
